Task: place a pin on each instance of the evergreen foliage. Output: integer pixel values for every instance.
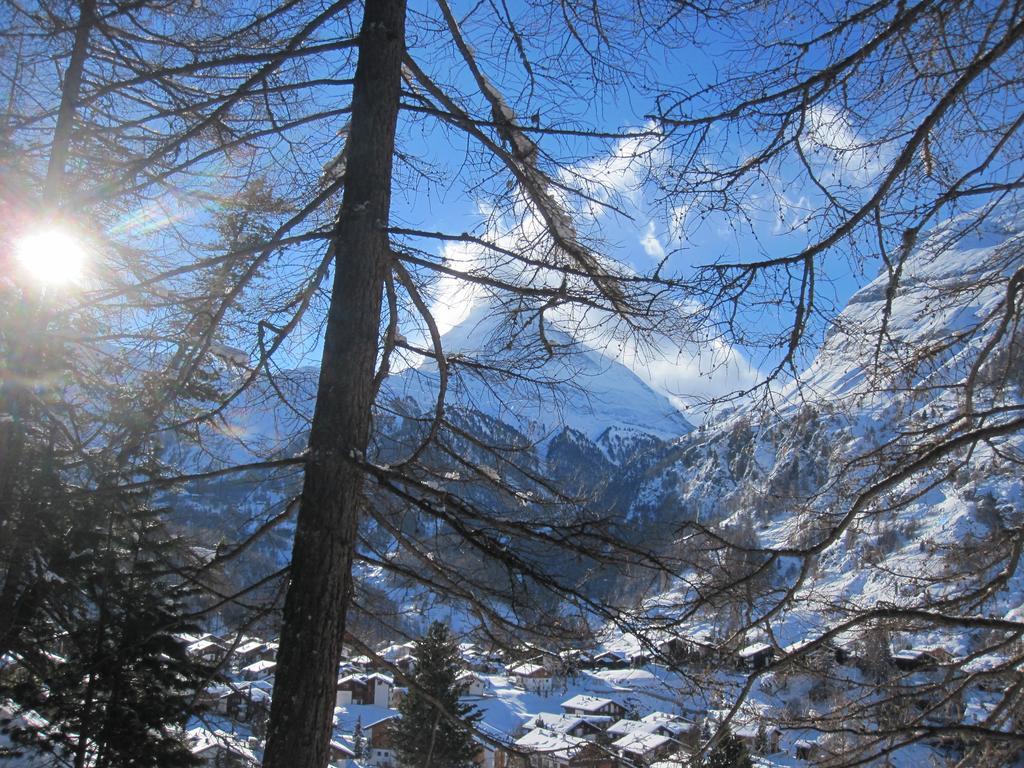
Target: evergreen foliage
(358, 739)
(730, 752)
(434, 728)
(101, 662)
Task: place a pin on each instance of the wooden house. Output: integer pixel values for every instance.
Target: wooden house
(755, 657)
(593, 705)
(532, 677)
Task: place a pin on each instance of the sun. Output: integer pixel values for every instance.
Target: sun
(51, 256)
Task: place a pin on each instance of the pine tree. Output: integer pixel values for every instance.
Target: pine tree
(434, 730)
(730, 752)
(104, 665)
(358, 739)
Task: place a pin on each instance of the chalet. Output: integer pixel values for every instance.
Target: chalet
(393, 653)
(913, 659)
(759, 739)
(373, 689)
(350, 689)
(640, 659)
(588, 728)
(674, 650)
(807, 750)
(375, 723)
(339, 754)
(681, 732)
(398, 694)
(593, 705)
(208, 650)
(258, 670)
(474, 658)
(755, 657)
(532, 677)
(610, 660)
(471, 684)
(217, 749)
(406, 664)
(575, 659)
(640, 747)
(248, 651)
(549, 749)
(247, 703)
(810, 654)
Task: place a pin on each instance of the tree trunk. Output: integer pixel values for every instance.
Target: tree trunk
(325, 536)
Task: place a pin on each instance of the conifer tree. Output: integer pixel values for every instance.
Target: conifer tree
(435, 728)
(728, 753)
(358, 739)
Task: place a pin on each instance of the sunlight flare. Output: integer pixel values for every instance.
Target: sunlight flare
(51, 257)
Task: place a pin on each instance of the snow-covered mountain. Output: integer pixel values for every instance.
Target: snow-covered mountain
(577, 388)
(864, 411)
(575, 417)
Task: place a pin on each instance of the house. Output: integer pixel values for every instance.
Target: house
(755, 657)
(807, 750)
(247, 703)
(374, 688)
(588, 728)
(913, 659)
(395, 652)
(643, 748)
(678, 733)
(248, 651)
(593, 705)
(549, 749)
(758, 738)
(398, 694)
(532, 677)
(674, 650)
(610, 660)
(350, 689)
(684, 731)
(218, 749)
(208, 650)
(471, 684)
(340, 754)
(258, 670)
(375, 723)
(406, 664)
(807, 653)
(378, 689)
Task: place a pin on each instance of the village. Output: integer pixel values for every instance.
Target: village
(612, 708)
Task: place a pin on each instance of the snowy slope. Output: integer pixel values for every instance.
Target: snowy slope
(788, 477)
(577, 388)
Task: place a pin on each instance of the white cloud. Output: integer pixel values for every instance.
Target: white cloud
(687, 371)
(651, 245)
(619, 176)
(833, 143)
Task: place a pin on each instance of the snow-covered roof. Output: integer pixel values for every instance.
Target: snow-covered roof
(560, 723)
(203, 645)
(529, 670)
(258, 667)
(339, 746)
(624, 726)
(550, 743)
(368, 715)
(641, 743)
(754, 649)
(202, 740)
(251, 646)
(587, 703)
(660, 717)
